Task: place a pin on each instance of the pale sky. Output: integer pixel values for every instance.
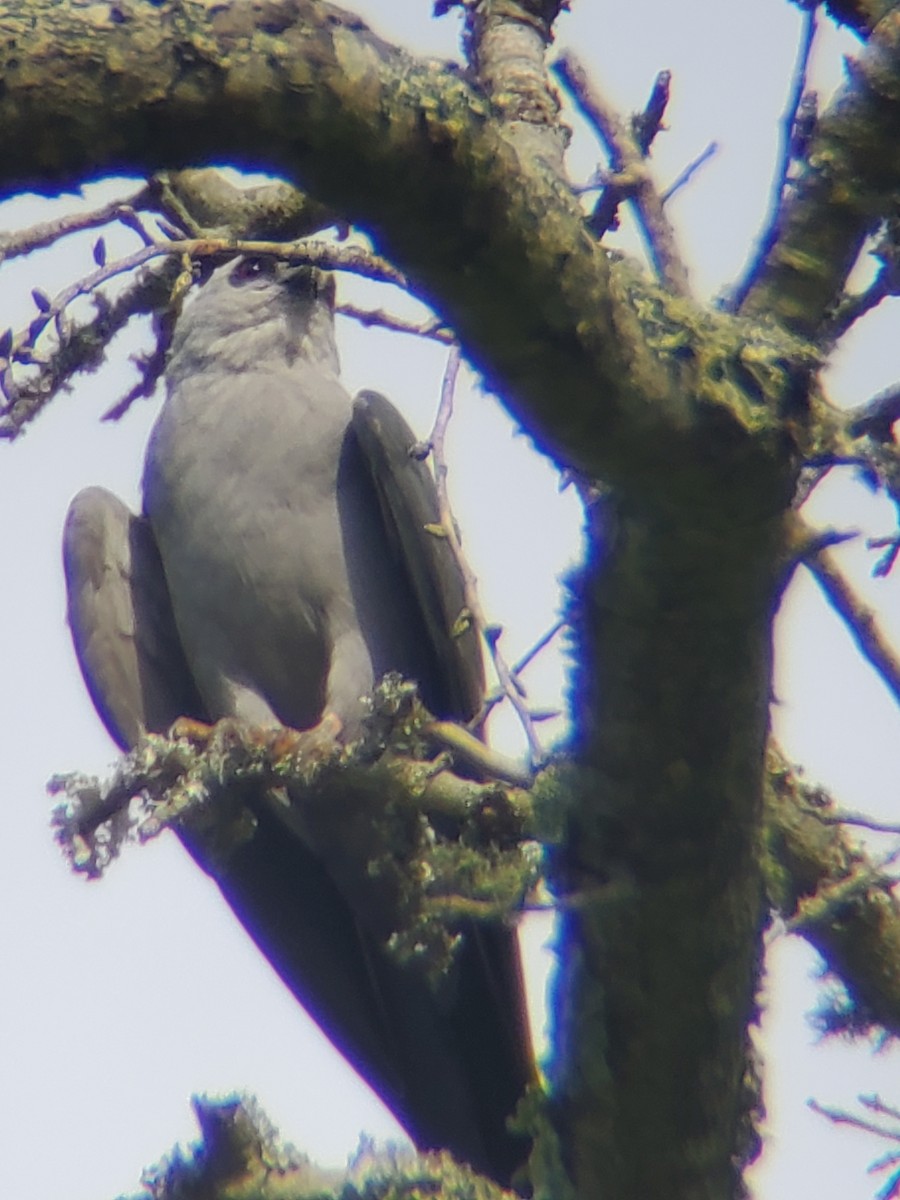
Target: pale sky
(124, 997)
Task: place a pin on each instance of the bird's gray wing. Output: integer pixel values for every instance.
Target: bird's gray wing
(482, 1030)
(121, 619)
(409, 510)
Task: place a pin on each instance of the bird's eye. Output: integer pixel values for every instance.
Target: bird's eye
(249, 269)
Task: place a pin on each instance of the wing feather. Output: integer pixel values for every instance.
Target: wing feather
(121, 619)
(409, 508)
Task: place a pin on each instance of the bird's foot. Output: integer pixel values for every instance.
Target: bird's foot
(227, 731)
(317, 742)
(198, 733)
(280, 741)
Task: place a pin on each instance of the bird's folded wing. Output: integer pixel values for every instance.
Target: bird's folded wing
(451, 1066)
(121, 619)
(409, 508)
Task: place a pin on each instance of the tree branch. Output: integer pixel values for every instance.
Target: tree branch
(848, 185)
(506, 45)
(470, 197)
(860, 620)
(858, 935)
(47, 232)
(786, 138)
(630, 179)
(82, 349)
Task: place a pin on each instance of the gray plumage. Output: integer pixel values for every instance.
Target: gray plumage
(281, 567)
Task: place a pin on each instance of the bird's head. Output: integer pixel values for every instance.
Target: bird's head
(256, 310)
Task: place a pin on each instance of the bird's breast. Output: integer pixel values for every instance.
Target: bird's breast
(240, 487)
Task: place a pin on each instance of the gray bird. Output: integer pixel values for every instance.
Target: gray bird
(281, 567)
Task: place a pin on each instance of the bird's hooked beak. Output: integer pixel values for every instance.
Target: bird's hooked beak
(311, 283)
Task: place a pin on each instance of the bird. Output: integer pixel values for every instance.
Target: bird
(283, 563)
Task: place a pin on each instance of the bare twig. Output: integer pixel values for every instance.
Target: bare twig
(519, 666)
(786, 155)
(320, 254)
(876, 1104)
(150, 368)
(854, 306)
(82, 350)
(433, 329)
(25, 400)
(860, 620)
(688, 173)
(47, 232)
(839, 1116)
(891, 1187)
(508, 682)
(630, 176)
(841, 816)
(891, 547)
(647, 124)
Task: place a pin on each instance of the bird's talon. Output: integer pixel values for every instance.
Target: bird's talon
(188, 729)
(321, 739)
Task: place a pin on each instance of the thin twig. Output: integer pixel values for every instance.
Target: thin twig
(891, 547)
(876, 1104)
(150, 368)
(840, 816)
(434, 329)
(320, 254)
(860, 620)
(688, 173)
(47, 232)
(839, 1117)
(853, 306)
(630, 173)
(647, 124)
(21, 347)
(521, 663)
(772, 223)
(83, 349)
(505, 676)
